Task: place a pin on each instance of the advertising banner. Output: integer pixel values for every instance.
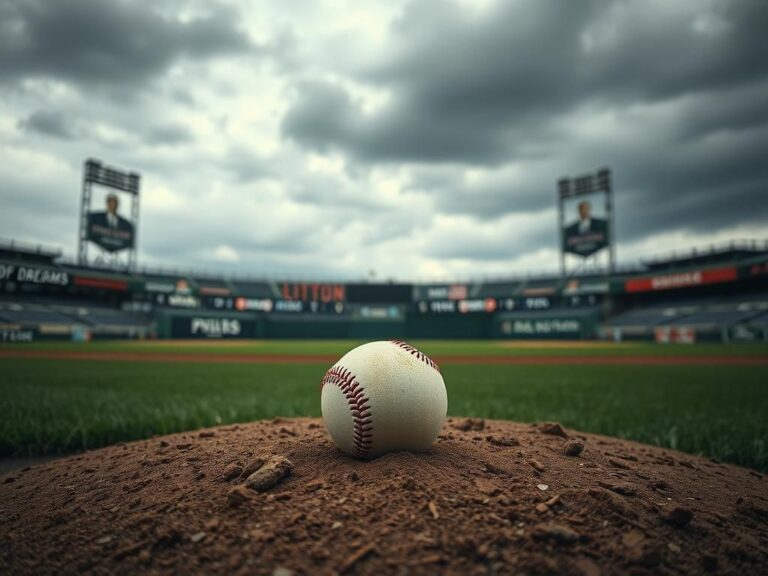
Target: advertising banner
(586, 230)
(33, 275)
(545, 327)
(681, 280)
(212, 327)
(313, 292)
(108, 229)
(14, 335)
(674, 335)
(441, 292)
(578, 287)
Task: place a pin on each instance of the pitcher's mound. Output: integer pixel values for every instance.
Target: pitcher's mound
(490, 497)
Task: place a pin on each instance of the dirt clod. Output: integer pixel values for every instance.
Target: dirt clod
(467, 424)
(274, 470)
(237, 495)
(556, 532)
(252, 466)
(503, 440)
(573, 447)
(679, 516)
(553, 429)
(232, 471)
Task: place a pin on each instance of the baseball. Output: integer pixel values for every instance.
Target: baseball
(383, 397)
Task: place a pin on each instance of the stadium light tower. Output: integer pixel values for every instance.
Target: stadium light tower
(110, 232)
(593, 229)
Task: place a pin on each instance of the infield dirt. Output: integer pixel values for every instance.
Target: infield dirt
(489, 497)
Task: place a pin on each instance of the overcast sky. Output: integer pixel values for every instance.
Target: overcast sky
(421, 139)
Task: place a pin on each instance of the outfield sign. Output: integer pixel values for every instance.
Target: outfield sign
(33, 275)
(17, 335)
(579, 287)
(484, 305)
(212, 327)
(681, 280)
(255, 304)
(544, 327)
(313, 292)
(442, 292)
(674, 335)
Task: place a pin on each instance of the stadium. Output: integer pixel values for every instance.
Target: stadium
(407, 287)
(715, 294)
(184, 373)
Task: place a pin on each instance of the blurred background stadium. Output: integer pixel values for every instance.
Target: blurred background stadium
(715, 294)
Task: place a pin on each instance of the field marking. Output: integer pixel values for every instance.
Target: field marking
(617, 360)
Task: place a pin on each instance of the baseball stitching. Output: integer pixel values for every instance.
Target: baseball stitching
(418, 353)
(362, 435)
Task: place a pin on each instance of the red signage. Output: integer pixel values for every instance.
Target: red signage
(674, 335)
(681, 280)
(313, 292)
(103, 283)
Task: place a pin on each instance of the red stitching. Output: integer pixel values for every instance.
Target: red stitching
(362, 435)
(414, 352)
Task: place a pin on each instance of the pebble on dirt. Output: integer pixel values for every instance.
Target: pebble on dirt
(679, 516)
(252, 466)
(270, 474)
(556, 532)
(573, 447)
(238, 495)
(553, 429)
(468, 424)
(232, 471)
(503, 440)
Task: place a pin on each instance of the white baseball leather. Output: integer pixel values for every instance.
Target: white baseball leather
(383, 397)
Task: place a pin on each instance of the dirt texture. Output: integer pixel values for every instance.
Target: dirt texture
(277, 498)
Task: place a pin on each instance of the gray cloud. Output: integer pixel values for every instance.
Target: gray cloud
(169, 134)
(49, 123)
(486, 90)
(107, 43)
(416, 137)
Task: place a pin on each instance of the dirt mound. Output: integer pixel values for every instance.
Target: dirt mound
(278, 498)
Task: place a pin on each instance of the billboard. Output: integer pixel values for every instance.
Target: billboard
(212, 327)
(585, 215)
(681, 280)
(586, 231)
(108, 229)
(13, 273)
(305, 292)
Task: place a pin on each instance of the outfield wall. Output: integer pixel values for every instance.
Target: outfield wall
(40, 298)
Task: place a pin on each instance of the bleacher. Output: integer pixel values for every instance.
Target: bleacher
(29, 314)
(706, 316)
(61, 316)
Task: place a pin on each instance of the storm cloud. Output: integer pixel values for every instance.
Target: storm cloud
(419, 138)
(97, 43)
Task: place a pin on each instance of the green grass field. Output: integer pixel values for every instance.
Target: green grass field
(61, 406)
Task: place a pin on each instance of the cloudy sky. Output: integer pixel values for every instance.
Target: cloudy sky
(421, 139)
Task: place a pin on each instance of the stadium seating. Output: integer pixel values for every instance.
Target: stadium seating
(39, 313)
